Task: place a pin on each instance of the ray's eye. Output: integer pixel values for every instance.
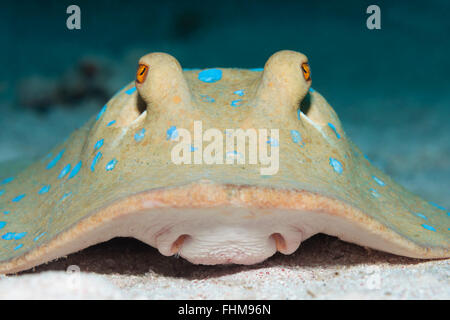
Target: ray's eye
(141, 73)
(306, 71)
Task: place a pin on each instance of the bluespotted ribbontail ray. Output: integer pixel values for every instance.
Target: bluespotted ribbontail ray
(116, 176)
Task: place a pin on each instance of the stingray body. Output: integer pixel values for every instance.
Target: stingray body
(150, 166)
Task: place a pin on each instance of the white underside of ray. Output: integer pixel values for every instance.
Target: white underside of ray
(221, 235)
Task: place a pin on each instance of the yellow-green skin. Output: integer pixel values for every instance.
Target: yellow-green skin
(171, 97)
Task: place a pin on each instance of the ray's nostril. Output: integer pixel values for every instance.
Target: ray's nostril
(176, 246)
(279, 242)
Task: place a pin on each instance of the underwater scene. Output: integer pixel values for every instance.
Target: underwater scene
(115, 163)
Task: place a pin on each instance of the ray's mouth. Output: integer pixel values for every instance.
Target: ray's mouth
(225, 236)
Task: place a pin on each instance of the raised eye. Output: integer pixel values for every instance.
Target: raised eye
(306, 71)
(141, 73)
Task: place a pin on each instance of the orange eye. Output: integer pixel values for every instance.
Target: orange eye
(306, 71)
(141, 73)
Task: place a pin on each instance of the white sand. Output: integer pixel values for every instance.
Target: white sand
(324, 268)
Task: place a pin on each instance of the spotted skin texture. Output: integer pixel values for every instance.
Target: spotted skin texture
(120, 161)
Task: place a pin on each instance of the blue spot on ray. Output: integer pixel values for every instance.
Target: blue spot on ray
(99, 144)
(273, 142)
(75, 170)
(39, 236)
(131, 90)
(334, 129)
(55, 160)
(172, 133)
(379, 181)
(65, 196)
(7, 180)
(420, 215)
(2, 224)
(6, 212)
(207, 98)
(296, 137)
(2, 192)
(139, 135)
(19, 235)
(239, 92)
(210, 75)
(13, 235)
(44, 189)
(236, 103)
(8, 236)
(99, 115)
(18, 247)
(111, 123)
(95, 160)
(374, 193)
(311, 89)
(437, 206)
(64, 171)
(111, 165)
(256, 69)
(337, 166)
(428, 227)
(18, 198)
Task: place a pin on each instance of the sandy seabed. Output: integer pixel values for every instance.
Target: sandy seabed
(323, 268)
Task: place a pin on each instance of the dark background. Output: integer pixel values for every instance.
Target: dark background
(409, 54)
